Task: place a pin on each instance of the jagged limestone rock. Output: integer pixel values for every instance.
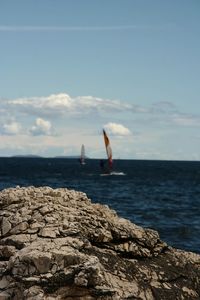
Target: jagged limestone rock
(56, 244)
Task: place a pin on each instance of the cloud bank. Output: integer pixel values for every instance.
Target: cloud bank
(61, 104)
(59, 124)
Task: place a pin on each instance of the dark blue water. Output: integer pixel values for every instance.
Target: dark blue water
(163, 195)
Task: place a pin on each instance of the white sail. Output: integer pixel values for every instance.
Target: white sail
(82, 156)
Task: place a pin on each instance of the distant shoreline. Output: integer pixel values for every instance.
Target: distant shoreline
(38, 156)
(96, 158)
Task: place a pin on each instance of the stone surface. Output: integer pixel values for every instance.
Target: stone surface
(56, 244)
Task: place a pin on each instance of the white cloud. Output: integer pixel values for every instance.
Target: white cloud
(60, 104)
(99, 104)
(58, 101)
(41, 127)
(12, 128)
(186, 120)
(163, 107)
(117, 129)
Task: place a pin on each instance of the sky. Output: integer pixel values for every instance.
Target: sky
(69, 68)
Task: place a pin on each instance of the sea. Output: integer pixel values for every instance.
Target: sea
(162, 195)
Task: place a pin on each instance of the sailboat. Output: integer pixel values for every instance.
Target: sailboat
(108, 169)
(108, 152)
(82, 156)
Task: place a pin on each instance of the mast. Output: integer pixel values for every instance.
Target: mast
(108, 149)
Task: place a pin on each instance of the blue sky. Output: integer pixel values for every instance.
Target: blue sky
(69, 68)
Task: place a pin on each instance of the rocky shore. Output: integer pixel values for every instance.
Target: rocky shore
(57, 244)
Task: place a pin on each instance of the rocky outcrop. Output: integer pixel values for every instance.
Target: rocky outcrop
(56, 244)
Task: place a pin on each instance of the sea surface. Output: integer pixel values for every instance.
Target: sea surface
(162, 195)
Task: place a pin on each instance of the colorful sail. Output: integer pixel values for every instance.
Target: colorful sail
(108, 148)
(82, 157)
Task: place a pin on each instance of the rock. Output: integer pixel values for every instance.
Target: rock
(5, 226)
(4, 296)
(47, 232)
(56, 244)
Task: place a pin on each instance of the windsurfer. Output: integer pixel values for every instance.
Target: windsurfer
(104, 167)
(108, 167)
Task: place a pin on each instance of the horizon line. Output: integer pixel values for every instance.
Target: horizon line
(35, 156)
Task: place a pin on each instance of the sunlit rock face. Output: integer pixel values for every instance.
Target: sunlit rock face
(57, 244)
